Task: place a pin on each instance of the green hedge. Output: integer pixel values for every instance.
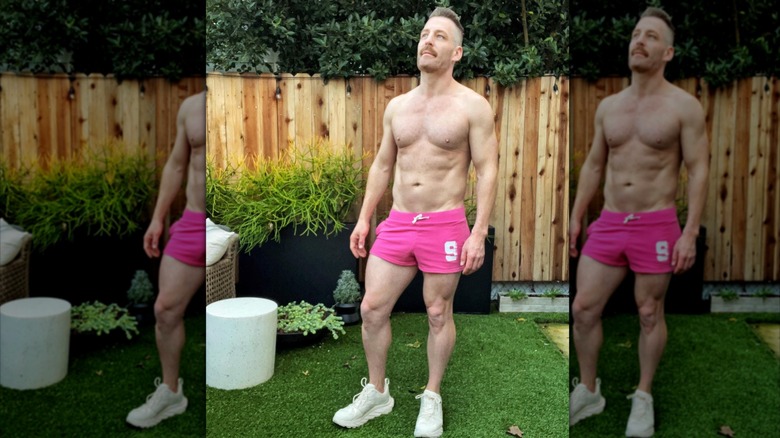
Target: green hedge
(352, 37)
(719, 41)
(129, 38)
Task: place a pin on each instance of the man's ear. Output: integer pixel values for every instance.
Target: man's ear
(457, 54)
(669, 53)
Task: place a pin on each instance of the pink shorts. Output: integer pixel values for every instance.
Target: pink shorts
(430, 241)
(187, 242)
(643, 241)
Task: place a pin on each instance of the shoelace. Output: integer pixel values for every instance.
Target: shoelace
(428, 405)
(360, 398)
(575, 381)
(642, 409)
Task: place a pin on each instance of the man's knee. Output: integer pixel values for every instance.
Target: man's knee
(585, 315)
(168, 312)
(372, 312)
(439, 314)
(650, 314)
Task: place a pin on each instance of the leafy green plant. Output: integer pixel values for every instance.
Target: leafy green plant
(764, 292)
(311, 188)
(102, 318)
(141, 290)
(107, 192)
(728, 295)
(552, 292)
(134, 38)
(342, 38)
(516, 294)
(306, 318)
(347, 288)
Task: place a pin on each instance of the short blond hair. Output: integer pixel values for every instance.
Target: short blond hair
(663, 16)
(449, 13)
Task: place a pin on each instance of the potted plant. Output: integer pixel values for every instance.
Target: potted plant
(139, 297)
(300, 323)
(288, 212)
(347, 297)
(94, 324)
(545, 297)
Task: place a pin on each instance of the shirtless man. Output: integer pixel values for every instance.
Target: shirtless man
(642, 135)
(182, 268)
(431, 134)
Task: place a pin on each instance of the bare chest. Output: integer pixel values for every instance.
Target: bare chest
(654, 124)
(442, 123)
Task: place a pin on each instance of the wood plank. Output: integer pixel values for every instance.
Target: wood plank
(757, 156)
(303, 109)
(45, 121)
(252, 122)
(286, 108)
(772, 222)
(337, 109)
(529, 179)
(320, 107)
(269, 135)
(28, 115)
(739, 181)
(234, 116)
(9, 110)
(560, 237)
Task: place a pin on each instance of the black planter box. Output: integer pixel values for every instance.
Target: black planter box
(296, 268)
(472, 294)
(684, 295)
(90, 268)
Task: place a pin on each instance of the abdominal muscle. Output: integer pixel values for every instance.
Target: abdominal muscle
(429, 179)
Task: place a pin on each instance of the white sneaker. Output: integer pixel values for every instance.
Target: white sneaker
(365, 406)
(429, 421)
(583, 403)
(161, 404)
(641, 421)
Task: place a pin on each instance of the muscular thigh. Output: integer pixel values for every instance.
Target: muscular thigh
(179, 282)
(650, 287)
(385, 282)
(439, 288)
(596, 282)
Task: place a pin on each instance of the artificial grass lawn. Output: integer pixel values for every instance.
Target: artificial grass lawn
(503, 372)
(715, 372)
(103, 385)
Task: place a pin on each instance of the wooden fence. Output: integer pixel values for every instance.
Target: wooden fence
(742, 214)
(47, 116)
(256, 116)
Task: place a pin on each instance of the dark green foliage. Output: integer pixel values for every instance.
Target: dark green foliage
(129, 38)
(718, 41)
(352, 37)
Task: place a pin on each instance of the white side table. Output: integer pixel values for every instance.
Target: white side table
(240, 342)
(34, 342)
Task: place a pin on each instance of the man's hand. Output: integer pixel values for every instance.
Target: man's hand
(684, 253)
(575, 227)
(473, 254)
(152, 239)
(357, 241)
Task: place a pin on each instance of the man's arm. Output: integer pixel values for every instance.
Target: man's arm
(696, 156)
(378, 179)
(170, 183)
(484, 154)
(590, 176)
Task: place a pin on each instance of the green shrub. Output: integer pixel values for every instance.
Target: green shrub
(517, 294)
(141, 290)
(102, 318)
(311, 188)
(347, 37)
(106, 193)
(728, 295)
(306, 318)
(347, 288)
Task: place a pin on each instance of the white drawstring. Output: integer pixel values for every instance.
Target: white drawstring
(419, 217)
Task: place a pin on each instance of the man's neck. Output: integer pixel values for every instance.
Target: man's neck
(647, 83)
(435, 83)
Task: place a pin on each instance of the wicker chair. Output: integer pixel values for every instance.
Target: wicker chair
(15, 276)
(221, 277)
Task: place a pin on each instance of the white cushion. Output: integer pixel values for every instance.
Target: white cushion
(217, 240)
(11, 240)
